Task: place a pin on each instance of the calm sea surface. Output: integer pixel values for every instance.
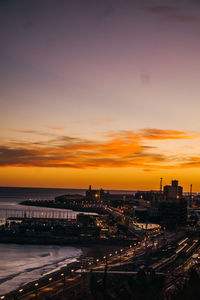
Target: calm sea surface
(20, 264)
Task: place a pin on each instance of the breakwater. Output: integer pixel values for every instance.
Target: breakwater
(75, 207)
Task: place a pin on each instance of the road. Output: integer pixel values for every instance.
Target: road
(71, 281)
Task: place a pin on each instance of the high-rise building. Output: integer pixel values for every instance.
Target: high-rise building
(173, 209)
(173, 191)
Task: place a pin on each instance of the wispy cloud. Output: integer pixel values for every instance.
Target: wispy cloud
(57, 128)
(192, 162)
(119, 149)
(52, 132)
(155, 134)
(95, 120)
(103, 120)
(172, 13)
(106, 12)
(186, 19)
(24, 131)
(161, 9)
(160, 134)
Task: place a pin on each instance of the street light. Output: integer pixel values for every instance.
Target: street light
(36, 284)
(2, 297)
(20, 290)
(50, 278)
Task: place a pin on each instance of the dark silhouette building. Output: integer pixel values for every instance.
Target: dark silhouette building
(173, 209)
(173, 191)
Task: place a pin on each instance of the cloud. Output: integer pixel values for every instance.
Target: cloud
(155, 134)
(106, 12)
(160, 134)
(120, 149)
(186, 19)
(192, 162)
(24, 131)
(38, 132)
(57, 128)
(164, 9)
(145, 78)
(173, 13)
(103, 120)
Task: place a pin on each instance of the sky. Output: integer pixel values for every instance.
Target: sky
(96, 92)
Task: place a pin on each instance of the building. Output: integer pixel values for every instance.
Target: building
(92, 195)
(84, 220)
(173, 209)
(173, 212)
(173, 191)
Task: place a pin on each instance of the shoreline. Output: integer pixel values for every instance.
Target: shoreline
(92, 252)
(90, 248)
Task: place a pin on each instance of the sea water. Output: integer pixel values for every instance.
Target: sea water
(20, 264)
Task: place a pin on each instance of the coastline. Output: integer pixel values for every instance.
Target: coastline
(33, 263)
(92, 252)
(91, 248)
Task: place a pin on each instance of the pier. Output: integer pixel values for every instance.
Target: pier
(37, 214)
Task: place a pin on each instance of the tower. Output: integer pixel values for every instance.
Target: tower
(161, 184)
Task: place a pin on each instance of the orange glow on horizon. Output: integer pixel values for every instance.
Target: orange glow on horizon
(124, 160)
(118, 178)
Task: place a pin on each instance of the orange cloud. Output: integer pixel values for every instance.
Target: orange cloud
(192, 162)
(103, 120)
(57, 128)
(155, 134)
(160, 134)
(122, 149)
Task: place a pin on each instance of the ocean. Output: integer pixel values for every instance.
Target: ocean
(24, 263)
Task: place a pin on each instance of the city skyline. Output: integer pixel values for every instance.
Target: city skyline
(103, 93)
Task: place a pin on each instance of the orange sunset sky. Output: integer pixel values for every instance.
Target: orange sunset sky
(105, 93)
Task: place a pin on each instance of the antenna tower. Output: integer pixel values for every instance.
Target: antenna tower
(161, 184)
